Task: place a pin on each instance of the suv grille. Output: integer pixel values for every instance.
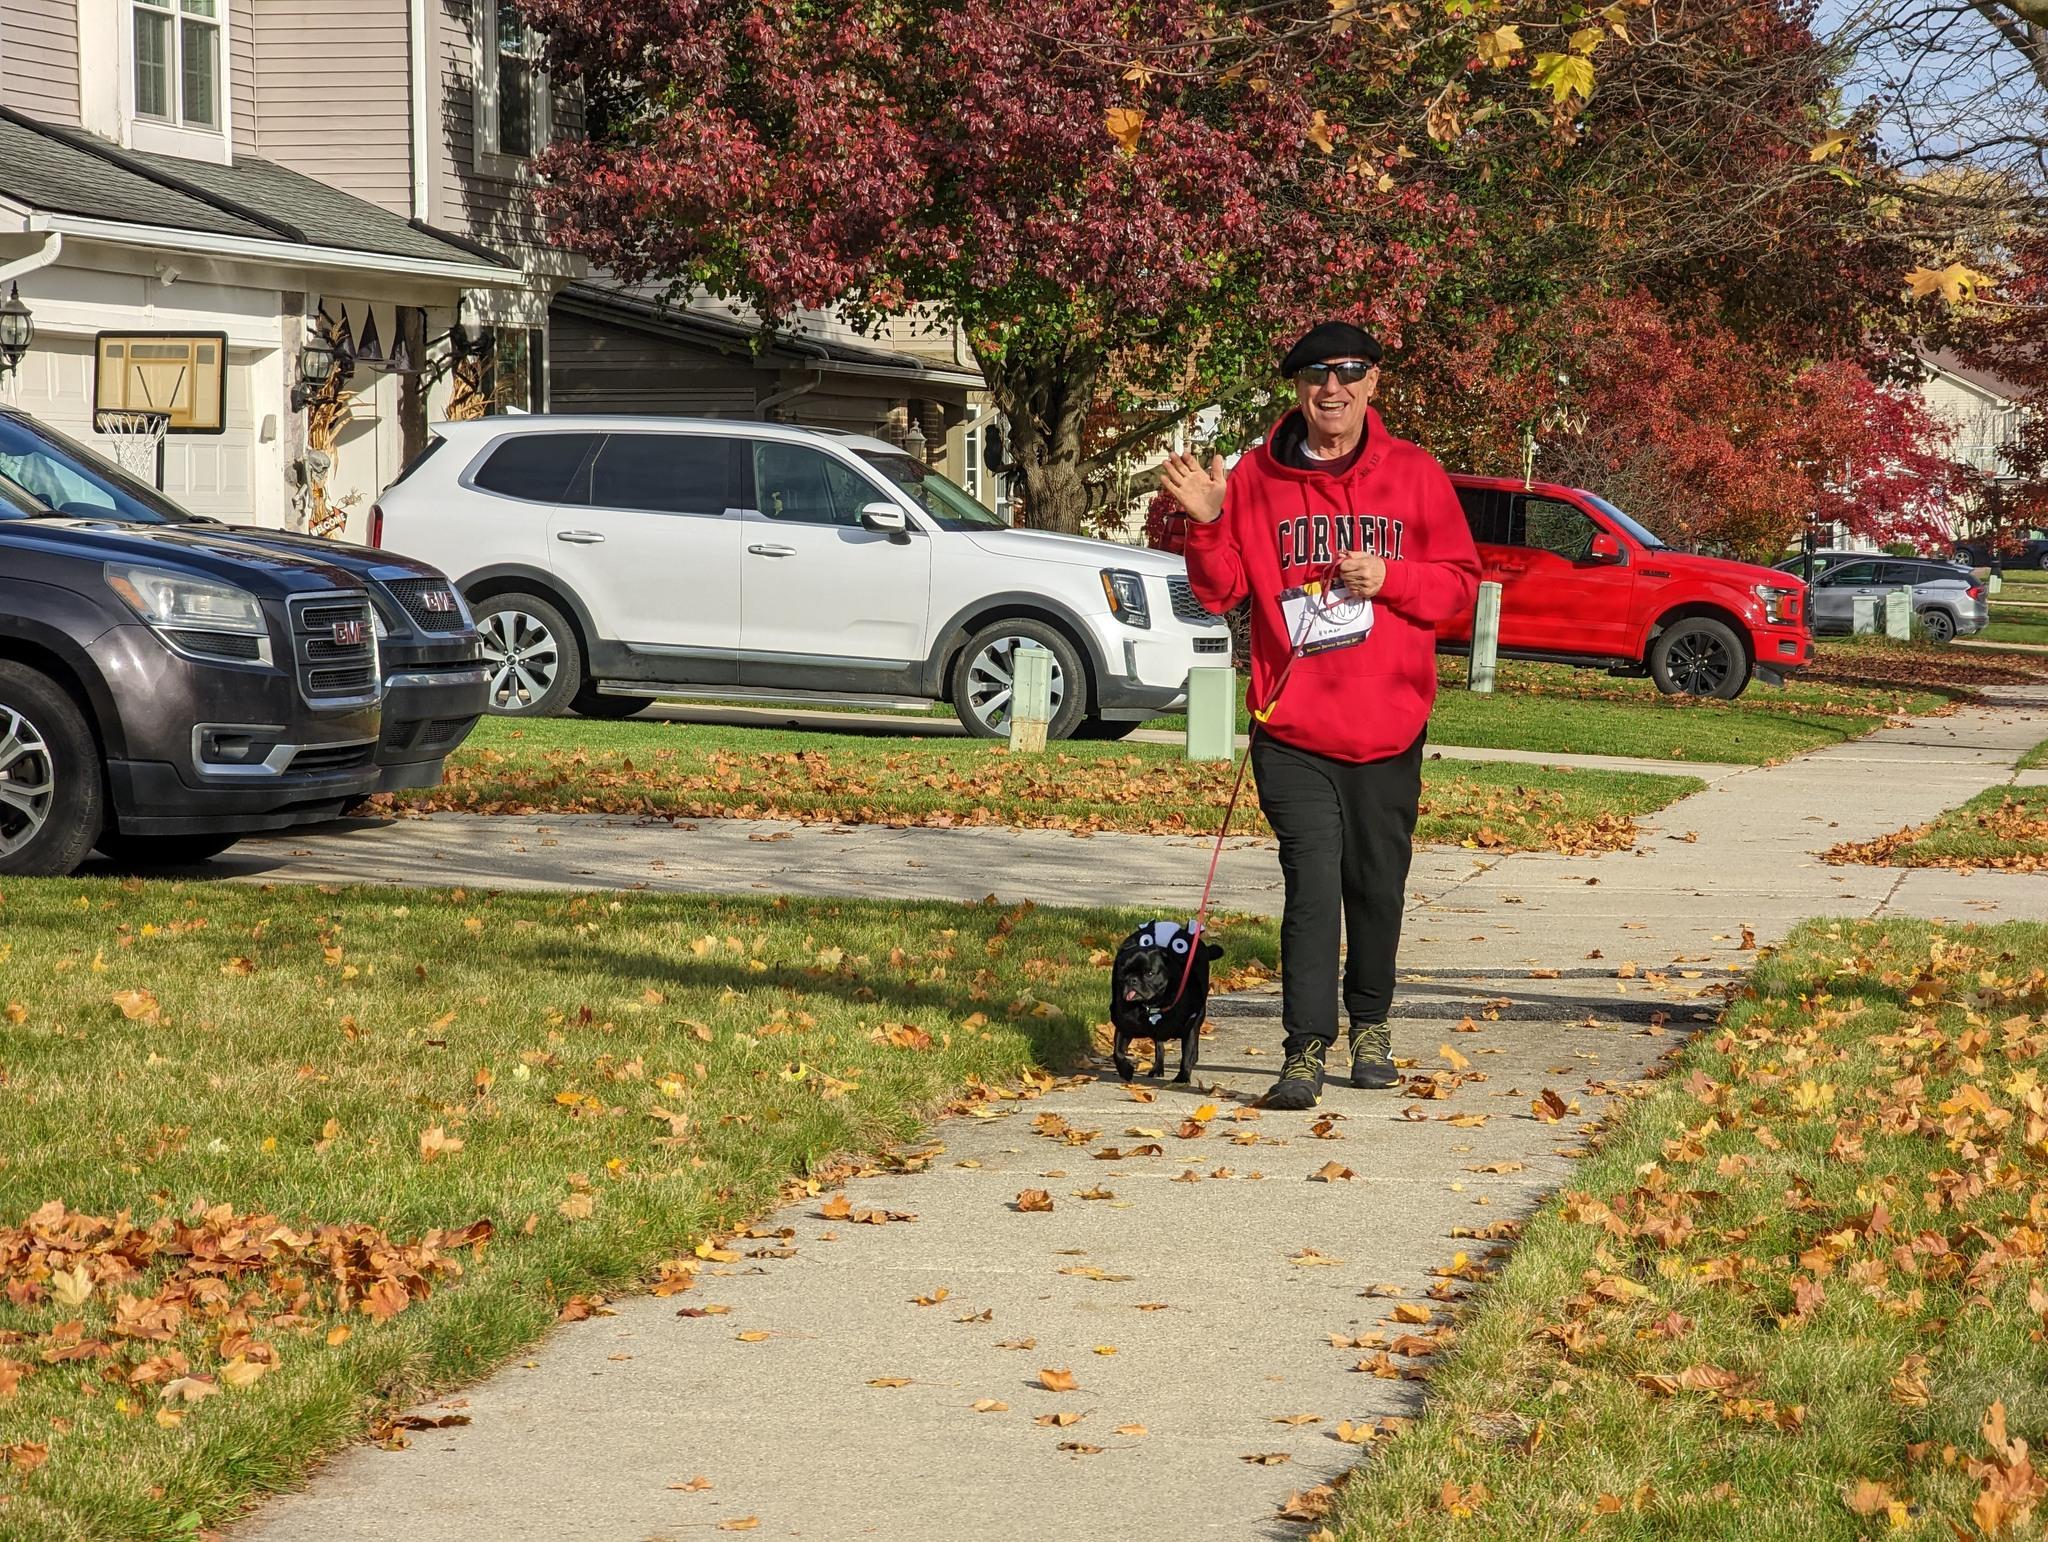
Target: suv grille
(1186, 606)
(331, 668)
(417, 595)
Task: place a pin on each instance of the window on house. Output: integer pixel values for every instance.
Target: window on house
(177, 62)
(512, 116)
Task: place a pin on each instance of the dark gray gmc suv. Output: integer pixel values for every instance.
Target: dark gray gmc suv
(166, 689)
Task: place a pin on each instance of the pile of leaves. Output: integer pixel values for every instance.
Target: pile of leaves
(2005, 831)
(1825, 693)
(1800, 1290)
(1867, 662)
(1528, 809)
(191, 1305)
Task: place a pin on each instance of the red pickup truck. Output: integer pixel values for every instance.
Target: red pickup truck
(1582, 583)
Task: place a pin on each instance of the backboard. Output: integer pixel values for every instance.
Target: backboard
(183, 374)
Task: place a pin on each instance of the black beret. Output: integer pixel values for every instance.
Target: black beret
(1330, 340)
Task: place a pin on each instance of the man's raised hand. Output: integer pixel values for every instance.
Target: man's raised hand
(1198, 491)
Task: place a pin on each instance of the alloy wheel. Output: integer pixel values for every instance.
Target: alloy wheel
(989, 682)
(1939, 626)
(28, 783)
(523, 657)
(1699, 663)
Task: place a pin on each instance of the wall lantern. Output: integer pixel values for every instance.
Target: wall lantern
(17, 330)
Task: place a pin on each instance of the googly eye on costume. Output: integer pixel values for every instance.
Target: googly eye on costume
(1180, 944)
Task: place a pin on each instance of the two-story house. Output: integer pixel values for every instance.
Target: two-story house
(191, 190)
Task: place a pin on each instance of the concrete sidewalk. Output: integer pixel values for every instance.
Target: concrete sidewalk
(1218, 1293)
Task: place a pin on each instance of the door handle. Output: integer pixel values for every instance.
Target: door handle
(772, 551)
(580, 537)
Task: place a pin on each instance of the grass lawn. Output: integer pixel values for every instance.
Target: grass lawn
(2002, 827)
(1796, 1294)
(2035, 758)
(2014, 625)
(1554, 708)
(237, 1119)
(572, 765)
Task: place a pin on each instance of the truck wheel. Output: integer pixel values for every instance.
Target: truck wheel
(52, 792)
(1699, 657)
(589, 702)
(981, 679)
(1938, 624)
(146, 851)
(536, 666)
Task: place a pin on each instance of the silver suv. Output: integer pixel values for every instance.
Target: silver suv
(1947, 600)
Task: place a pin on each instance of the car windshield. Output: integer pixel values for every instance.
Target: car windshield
(950, 506)
(39, 466)
(1645, 537)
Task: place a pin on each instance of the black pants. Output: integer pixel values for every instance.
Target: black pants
(1346, 833)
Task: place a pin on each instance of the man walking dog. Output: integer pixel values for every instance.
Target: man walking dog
(1351, 546)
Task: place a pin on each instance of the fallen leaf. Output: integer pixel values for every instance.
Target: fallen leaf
(1032, 1200)
(1268, 1458)
(435, 1142)
(885, 1381)
(1331, 1172)
(1058, 1381)
(696, 1485)
(1132, 1429)
(991, 1405)
(742, 1523)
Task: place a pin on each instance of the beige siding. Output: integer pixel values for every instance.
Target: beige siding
(333, 95)
(495, 210)
(39, 59)
(242, 75)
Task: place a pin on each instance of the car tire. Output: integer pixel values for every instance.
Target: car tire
(590, 702)
(981, 678)
(53, 797)
(150, 851)
(1106, 728)
(1937, 624)
(535, 662)
(1699, 656)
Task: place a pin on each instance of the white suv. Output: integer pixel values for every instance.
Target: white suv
(611, 560)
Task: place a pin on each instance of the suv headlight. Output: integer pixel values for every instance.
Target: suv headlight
(197, 616)
(1777, 602)
(1126, 591)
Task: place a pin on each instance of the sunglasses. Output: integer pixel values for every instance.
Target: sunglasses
(1350, 372)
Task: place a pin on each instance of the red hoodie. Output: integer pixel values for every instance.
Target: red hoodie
(1281, 528)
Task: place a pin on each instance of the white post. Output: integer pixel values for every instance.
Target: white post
(1030, 696)
(1485, 638)
(1212, 712)
(1864, 608)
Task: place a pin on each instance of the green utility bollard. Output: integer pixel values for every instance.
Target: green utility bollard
(1485, 638)
(1898, 614)
(1030, 696)
(1212, 712)
(1863, 607)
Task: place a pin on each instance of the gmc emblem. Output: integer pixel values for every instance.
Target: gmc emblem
(348, 634)
(440, 601)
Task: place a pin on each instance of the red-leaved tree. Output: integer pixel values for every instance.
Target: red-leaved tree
(1132, 199)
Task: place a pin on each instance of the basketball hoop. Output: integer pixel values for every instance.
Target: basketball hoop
(138, 440)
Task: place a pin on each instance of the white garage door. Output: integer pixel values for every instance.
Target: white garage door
(206, 473)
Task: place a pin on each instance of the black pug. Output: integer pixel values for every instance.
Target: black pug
(1142, 995)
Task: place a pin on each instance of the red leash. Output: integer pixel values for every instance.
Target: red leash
(1328, 581)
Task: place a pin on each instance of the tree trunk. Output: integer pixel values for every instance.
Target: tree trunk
(1044, 398)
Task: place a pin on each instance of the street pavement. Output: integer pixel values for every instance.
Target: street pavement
(1218, 1271)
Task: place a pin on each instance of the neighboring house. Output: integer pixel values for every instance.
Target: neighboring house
(622, 348)
(189, 190)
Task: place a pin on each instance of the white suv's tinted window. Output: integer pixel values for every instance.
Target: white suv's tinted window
(536, 466)
(668, 473)
(805, 486)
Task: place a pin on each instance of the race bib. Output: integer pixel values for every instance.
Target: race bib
(1323, 617)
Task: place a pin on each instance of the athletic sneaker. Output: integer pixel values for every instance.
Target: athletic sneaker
(1301, 1078)
(1372, 1056)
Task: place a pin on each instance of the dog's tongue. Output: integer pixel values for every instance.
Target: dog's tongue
(1130, 993)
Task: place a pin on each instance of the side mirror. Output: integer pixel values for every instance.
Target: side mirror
(1605, 548)
(885, 519)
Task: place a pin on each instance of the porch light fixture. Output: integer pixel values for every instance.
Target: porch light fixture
(17, 330)
(914, 442)
(318, 361)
